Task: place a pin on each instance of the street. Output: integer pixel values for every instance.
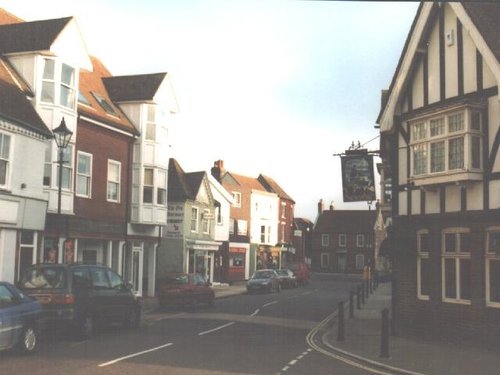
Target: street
(242, 334)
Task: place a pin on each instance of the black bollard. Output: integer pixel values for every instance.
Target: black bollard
(340, 330)
(384, 334)
(351, 304)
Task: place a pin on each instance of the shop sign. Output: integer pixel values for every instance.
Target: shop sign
(358, 182)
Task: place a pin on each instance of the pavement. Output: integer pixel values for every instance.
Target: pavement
(362, 341)
(407, 355)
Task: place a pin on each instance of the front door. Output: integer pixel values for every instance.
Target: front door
(136, 269)
(341, 262)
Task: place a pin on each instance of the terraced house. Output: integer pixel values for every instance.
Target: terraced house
(440, 130)
(106, 202)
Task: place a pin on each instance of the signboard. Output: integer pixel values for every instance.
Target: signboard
(175, 222)
(358, 182)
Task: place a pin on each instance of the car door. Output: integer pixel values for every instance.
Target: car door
(200, 288)
(7, 326)
(102, 297)
(122, 296)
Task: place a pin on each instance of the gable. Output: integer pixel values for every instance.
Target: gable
(229, 179)
(444, 57)
(204, 195)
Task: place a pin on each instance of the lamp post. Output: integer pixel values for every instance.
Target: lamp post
(62, 136)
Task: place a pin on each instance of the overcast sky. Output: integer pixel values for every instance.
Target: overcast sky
(271, 87)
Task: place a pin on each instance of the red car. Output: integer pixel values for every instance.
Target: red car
(301, 272)
(184, 288)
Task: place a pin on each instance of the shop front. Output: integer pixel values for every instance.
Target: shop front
(201, 257)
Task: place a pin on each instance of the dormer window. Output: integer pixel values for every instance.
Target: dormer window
(58, 84)
(108, 108)
(446, 143)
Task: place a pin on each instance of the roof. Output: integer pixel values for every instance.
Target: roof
(91, 83)
(30, 36)
(15, 106)
(248, 182)
(134, 87)
(302, 222)
(182, 185)
(6, 17)
(346, 221)
(273, 187)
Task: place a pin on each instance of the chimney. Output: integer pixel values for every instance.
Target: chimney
(218, 169)
(320, 207)
(332, 207)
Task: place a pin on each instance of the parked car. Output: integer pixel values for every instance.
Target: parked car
(81, 296)
(266, 280)
(287, 278)
(184, 288)
(19, 319)
(301, 272)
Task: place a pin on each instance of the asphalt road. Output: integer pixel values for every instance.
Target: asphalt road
(243, 334)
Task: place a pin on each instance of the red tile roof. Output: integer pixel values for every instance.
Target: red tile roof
(273, 187)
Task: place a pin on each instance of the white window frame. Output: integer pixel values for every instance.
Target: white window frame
(194, 219)
(150, 187)
(67, 168)
(360, 240)
(205, 222)
(6, 156)
(283, 229)
(161, 188)
(236, 198)
(325, 239)
(283, 210)
(87, 177)
(47, 171)
(342, 240)
(457, 256)
(421, 255)
(58, 84)
(490, 256)
(242, 227)
(116, 182)
(150, 131)
(265, 234)
(424, 136)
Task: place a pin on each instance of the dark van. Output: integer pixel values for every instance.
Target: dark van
(81, 296)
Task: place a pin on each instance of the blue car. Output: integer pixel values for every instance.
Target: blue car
(19, 319)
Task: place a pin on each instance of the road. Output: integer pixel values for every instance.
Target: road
(243, 334)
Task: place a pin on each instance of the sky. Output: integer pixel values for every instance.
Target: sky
(268, 86)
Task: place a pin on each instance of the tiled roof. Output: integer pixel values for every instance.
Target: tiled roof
(30, 36)
(14, 105)
(345, 221)
(273, 187)
(92, 82)
(134, 87)
(6, 17)
(182, 185)
(248, 182)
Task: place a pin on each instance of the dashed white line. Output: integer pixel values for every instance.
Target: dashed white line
(292, 362)
(134, 355)
(255, 312)
(216, 329)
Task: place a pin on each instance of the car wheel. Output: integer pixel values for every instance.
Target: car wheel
(28, 340)
(84, 327)
(133, 318)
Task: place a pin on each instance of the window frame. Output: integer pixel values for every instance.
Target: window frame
(194, 219)
(342, 240)
(88, 176)
(205, 223)
(457, 256)
(421, 256)
(58, 85)
(360, 256)
(236, 198)
(117, 183)
(463, 139)
(360, 240)
(148, 187)
(6, 157)
(490, 256)
(325, 239)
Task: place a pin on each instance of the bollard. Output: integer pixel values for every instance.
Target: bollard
(384, 334)
(340, 330)
(363, 294)
(370, 283)
(358, 297)
(367, 288)
(351, 304)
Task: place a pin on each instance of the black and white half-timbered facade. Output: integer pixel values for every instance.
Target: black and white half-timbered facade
(440, 138)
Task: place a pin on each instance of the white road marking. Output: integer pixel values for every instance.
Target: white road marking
(292, 362)
(255, 312)
(285, 368)
(270, 303)
(134, 355)
(216, 329)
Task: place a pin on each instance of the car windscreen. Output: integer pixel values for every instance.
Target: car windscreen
(44, 278)
(262, 275)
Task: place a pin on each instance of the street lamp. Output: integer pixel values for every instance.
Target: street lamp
(62, 136)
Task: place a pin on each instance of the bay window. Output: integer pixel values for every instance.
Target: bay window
(446, 143)
(147, 196)
(58, 84)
